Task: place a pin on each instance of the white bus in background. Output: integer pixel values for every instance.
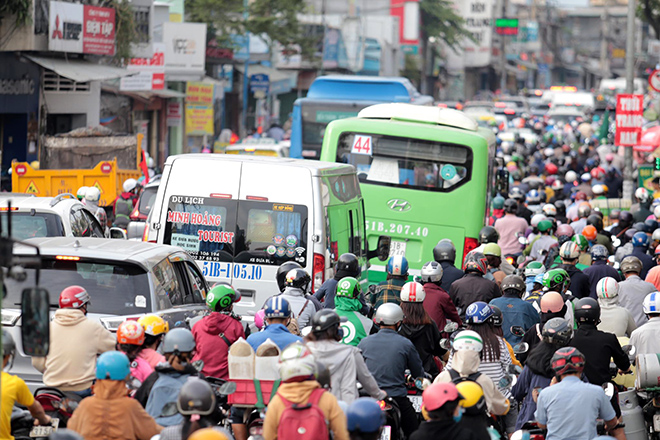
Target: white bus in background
(611, 87)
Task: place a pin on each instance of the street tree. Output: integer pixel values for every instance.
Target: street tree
(649, 11)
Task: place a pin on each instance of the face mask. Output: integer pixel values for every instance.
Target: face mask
(458, 417)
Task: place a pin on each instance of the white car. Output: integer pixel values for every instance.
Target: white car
(60, 216)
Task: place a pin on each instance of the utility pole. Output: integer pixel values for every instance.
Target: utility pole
(246, 77)
(503, 52)
(604, 60)
(630, 76)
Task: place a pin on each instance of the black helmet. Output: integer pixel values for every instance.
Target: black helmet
(324, 319)
(642, 227)
(444, 251)
(513, 282)
(488, 234)
(595, 221)
(625, 219)
(587, 311)
(517, 193)
(298, 278)
(510, 206)
(196, 397)
(323, 375)
(282, 271)
(561, 206)
(349, 264)
(497, 317)
(557, 331)
(8, 344)
(652, 224)
(615, 214)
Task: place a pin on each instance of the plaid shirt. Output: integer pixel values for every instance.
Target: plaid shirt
(387, 292)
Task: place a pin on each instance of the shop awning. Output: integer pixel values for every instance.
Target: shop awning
(80, 70)
(280, 81)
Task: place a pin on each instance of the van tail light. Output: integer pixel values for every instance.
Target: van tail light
(145, 234)
(469, 245)
(319, 272)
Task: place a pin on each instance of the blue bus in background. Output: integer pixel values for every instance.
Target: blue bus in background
(338, 97)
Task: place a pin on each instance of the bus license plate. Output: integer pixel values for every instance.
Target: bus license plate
(45, 431)
(656, 422)
(416, 403)
(397, 248)
(386, 433)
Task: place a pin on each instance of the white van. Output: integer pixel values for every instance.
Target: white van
(241, 217)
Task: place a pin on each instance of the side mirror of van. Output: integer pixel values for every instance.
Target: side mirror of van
(118, 233)
(35, 329)
(382, 251)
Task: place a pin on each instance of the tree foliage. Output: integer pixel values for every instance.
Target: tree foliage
(649, 11)
(440, 20)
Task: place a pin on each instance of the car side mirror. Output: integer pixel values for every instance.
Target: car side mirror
(35, 329)
(118, 233)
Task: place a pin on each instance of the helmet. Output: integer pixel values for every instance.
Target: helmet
(436, 395)
(564, 231)
(544, 225)
(557, 331)
(476, 262)
(444, 251)
(220, 297)
(567, 360)
(534, 268)
(498, 318)
(656, 211)
(349, 287)
(571, 176)
(656, 235)
(473, 401)
(468, 340)
(581, 242)
(584, 210)
(536, 219)
(549, 210)
(209, 434)
(388, 314)
(196, 397)
(510, 206)
(298, 278)
(493, 249)
(397, 265)
(557, 185)
(631, 264)
(296, 362)
(651, 224)
(642, 194)
(599, 252)
(284, 269)
(154, 325)
(533, 196)
(324, 319)
(585, 177)
(431, 272)
(570, 250)
(589, 232)
(131, 333)
(625, 218)
(488, 234)
(73, 297)
(551, 302)
(642, 227)
(587, 310)
(513, 282)
(640, 239)
(598, 190)
(277, 307)
(551, 168)
(8, 344)
(515, 193)
(259, 317)
(651, 304)
(607, 287)
(81, 192)
(92, 194)
(478, 313)
(113, 365)
(412, 292)
(498, 202)
(178, 340)
(129, 185)
(349, 264)
(596, 221)
(364, 415)
(556, 280)
(629, 233)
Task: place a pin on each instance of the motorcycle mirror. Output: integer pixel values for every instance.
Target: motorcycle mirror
(417, 279)
(505, 382)
(305, 331)
(444, 343)
(523, 241)
(227, 388)
(521, 348)
(451, 327)
(169, 410)
(630, 350)
(609, 389)
(520, 435)
(517, 330)
(616, 242)
(35, 312)
(372, 289)
(384, 243)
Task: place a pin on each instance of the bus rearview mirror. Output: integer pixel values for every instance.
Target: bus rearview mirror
(384, 243)
(35, 327)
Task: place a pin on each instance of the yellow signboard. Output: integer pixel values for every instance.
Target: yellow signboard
(199, 93)
(199, 120)
(32, 188)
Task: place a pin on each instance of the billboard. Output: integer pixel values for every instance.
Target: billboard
(81, 29)
(478, 15)
(185, 48)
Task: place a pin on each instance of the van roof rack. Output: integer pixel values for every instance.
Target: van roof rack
(420, 113)
(58, 198)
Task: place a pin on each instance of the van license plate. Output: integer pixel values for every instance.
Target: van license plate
(416, 403)
(656, 422)
(397, 248)
(45, 431)
(386, 433)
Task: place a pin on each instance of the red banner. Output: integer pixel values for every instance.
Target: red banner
(629, 109)
(99, 30)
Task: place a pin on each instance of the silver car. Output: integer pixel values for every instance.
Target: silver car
(124, 279)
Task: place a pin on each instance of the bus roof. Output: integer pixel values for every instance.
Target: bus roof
(421, 114)
(365, 88)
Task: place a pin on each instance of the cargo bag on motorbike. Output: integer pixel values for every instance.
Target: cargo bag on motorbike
(303, 422)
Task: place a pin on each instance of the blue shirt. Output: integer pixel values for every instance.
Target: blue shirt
(570, 409)
(515, 311)
(277, 333)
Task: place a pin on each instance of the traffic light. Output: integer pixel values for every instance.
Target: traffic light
(657, 163)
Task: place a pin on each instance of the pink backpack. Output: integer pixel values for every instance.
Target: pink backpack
(303, 422)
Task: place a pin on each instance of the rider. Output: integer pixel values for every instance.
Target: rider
(277, 313)
(473, 286)
(624, 224)
(365, 419)
(445, 253)
(130, 339)
(602, 236)
(511, 227)
(92, 197)
(124, 204)
(543, 242)
(80, 194)
(389, 291)
(633, 289)
(489, 234)
(640, 242)
(569, 254)
(583, 211)
(347, 305)
(438, 304)
(645, 339)
(388, 355)
(498, 210)
(347, 265)
(75, 342)
(280, 278)
(297, 283)
(155, 328)
(599, 268)
(615, 319)
(552, 305)
(345, 362)
(215, 332)
(644, 198)
(443, 411)
(532, 269)
(515, 311)
(493, 255)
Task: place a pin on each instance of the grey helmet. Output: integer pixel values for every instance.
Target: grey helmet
(178, 340)
(8, 344)
(196, 397)
(431, 272)
(388, 314)
(444, 251)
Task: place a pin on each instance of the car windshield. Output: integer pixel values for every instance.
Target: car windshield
(32, 224)
(115, 288)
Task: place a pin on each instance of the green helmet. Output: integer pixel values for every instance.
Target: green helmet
(544, 225)
(349, 287)
(498, 202)
(556, 280)
(581, 241)
(220, 297)
(534, 268)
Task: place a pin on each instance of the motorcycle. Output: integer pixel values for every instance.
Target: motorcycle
(392, 429)
(59, 405)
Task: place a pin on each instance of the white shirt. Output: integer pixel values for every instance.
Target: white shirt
(646, 338)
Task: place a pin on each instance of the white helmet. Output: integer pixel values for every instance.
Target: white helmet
(642, 194)
(388, 314)
(81, 192)
(129, 185)
(607, 287)
(571, 176)
(598, 190)
(549, 151)
(468, 340)
(651, 304)
(413, 292)
(585, 177)
(537, 218)
(656, 235)
(432, 272)
(569, 250)
(656, 212)
(549, 210)
(296, 361)
(93, 194)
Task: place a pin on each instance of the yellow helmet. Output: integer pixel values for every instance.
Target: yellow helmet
(35, 164)
(208, 434)
(154, 325)
(473, 396)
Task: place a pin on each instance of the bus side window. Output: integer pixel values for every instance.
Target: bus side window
(354, 232)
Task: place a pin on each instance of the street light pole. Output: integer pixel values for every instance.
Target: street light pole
(630, 77)
(246, 78)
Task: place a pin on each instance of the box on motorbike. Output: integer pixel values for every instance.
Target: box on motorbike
(265, 362)
(241, 360)
(648, 371)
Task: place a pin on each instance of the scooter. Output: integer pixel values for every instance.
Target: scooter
(59, 405)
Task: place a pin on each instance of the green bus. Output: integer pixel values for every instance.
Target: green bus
(426, 173)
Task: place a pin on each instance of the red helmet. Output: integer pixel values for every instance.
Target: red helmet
(551, 168)
(567, 360)
(476, 262)
(581, 195)
(598, 173)
(73, 297)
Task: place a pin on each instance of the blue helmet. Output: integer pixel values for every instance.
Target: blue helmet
(365, 415)
(397, 265)
(533, 196)
(640, 239)
(599, 252)
(277, 307)
(113, 365)
(478, 313)
(539, 278)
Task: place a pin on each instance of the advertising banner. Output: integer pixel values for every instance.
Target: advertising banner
(174, 113)
(99, 30)
(629, 109)
(185, 47)
(478, 15)
(199, 93)
(81, 29)
(199, 120)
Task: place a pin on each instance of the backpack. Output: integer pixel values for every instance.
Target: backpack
(123, 209)
(456, 378)
(303, 422)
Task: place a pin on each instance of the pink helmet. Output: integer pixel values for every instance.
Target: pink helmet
(436, 395)
(551, 302)
(259, 319)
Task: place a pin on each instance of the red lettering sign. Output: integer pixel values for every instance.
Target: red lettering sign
(99, 30)
(629, 109)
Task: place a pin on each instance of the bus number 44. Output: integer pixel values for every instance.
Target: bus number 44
(361, 145)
